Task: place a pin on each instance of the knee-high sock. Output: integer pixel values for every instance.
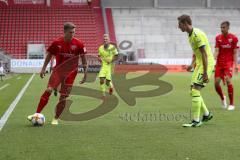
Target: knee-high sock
(60, 106)
(230, 93)
(196, 104)
(204, 108)
(43, 101)
(219, 91)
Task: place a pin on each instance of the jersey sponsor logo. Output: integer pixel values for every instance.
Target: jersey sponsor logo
(66, 54)
(226, 46)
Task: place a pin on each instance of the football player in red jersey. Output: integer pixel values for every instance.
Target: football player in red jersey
(67, 51)
(226, 57)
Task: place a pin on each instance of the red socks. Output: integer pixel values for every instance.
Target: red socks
(230, 93)
(60, 106)
(219, 91)
(43, 101)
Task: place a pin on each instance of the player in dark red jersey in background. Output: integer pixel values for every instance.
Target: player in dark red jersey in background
(226, 56)
(67, 51)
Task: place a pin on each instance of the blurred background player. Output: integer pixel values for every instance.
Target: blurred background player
(204, 64)
(67, 51)
(226, 56)
(1, 71)
(107, 54)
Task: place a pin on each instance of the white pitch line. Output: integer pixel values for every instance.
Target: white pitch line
(6, 115)
(4, 86)
(19, 78)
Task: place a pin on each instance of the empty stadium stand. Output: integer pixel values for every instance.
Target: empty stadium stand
(156, 30)
(23, 24)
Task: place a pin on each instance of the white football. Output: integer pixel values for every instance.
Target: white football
(38, 119)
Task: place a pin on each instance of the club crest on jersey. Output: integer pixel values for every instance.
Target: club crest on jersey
(59, 46)
(73, 47)
(230, 40)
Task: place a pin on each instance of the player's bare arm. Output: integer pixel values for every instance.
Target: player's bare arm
(235, 56)
(191, 66)
(108, 60)
(84, 64)
(46, 61)
(205, 64)
(114, 58)
(216, 53)
(99, 58)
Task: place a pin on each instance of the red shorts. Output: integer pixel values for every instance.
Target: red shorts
(63, 81)
(222, 72)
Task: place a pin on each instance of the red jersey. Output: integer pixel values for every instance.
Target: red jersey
(64, 51)
(226, 47)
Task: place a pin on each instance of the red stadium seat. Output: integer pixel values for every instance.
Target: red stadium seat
(24, 23)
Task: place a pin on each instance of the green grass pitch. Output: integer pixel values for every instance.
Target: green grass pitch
(115, 137)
